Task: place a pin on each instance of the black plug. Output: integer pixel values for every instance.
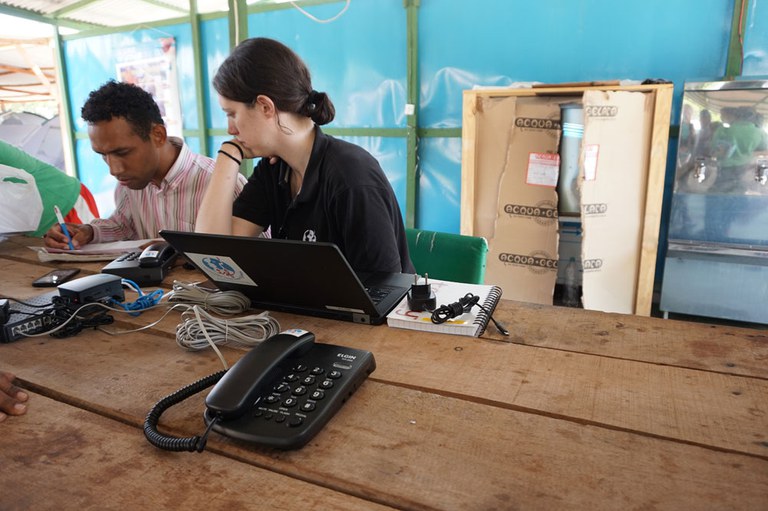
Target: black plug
(5, 311)
(420, 296)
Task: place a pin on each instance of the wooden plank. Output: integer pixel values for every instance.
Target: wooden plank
(725, 411)
(571, 85)
(59, 457)
(468, 164)
(415, 450)
(657, 167)
(718, 348)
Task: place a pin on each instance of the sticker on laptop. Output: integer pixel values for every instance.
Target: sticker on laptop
(221, 269)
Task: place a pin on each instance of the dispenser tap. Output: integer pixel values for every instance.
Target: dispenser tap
(700, 174)
(761, 176)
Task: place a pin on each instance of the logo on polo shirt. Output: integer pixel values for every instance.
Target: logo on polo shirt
(309, 235)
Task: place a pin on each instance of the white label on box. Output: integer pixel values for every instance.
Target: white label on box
(543, 169)
(590, 161)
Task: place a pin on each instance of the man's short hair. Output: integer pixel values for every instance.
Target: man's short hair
(119, 99)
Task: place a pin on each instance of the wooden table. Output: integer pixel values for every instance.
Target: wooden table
(575, 410)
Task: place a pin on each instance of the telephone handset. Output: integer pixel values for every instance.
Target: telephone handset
(146, 267)
(156, 255)
(236, 392)
(280, 394)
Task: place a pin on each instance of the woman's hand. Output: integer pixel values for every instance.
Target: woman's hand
(244, 152)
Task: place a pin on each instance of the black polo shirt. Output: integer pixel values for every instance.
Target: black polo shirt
(345, 199)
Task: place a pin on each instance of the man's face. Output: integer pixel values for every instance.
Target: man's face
(133, 161)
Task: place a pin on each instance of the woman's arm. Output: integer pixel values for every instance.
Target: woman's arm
(215, 213)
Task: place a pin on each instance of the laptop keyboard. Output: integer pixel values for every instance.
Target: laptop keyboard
(377, 294)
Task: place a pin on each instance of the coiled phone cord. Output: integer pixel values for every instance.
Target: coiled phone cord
(170, 443)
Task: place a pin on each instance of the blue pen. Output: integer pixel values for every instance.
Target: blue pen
(63, 226)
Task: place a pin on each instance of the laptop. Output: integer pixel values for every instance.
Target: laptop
(310, 278)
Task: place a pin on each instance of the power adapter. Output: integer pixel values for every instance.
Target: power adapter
(5, 311)
(420, 296)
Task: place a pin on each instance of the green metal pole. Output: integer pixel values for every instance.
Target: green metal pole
(412, 169)
(65, 111)
(238, 21)
(202, 118)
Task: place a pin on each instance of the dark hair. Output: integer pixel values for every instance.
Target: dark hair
(265, 66)
(119, 99)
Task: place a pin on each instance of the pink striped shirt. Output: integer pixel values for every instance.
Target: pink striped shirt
(141, 214)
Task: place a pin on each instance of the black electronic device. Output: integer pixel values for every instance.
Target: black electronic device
(280, 394)
(93, 288)
(302, 277)
(55, 277)
(146, 267)
(27, 318)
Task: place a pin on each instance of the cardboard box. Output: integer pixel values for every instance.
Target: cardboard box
(510, 169)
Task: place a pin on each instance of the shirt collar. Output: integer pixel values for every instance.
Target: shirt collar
(175, 172)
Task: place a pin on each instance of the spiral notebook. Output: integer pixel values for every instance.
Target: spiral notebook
(472, 323)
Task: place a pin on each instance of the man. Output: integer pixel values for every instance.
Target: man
(12, 398)
(160, 180)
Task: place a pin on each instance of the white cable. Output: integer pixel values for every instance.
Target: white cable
(313, 18)
(220, 302)
(199, 330)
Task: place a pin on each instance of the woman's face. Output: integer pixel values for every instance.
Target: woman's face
(248, 125)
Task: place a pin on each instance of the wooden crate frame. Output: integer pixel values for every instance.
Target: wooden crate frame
(655, 175)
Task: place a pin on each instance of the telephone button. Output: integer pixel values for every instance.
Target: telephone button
(308, 406)
(283, 388)
(271, 399)
(300, 368)
(290, 401)
(291, 377)
(300, 390)
(335, 375)
(280, 418)
(309, 380)
(295, 422)
(318, 395)
(326, 384)
(317, 370)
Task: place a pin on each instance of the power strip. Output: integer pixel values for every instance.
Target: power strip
(28, 320)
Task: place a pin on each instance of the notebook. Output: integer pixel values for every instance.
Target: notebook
(472, 323)
(311, 278)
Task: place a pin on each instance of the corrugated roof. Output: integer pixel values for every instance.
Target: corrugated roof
(27, 71)
(113, 13)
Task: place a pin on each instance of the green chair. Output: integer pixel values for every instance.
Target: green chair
(446, 256)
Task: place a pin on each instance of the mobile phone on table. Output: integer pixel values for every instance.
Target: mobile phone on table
(55, 277)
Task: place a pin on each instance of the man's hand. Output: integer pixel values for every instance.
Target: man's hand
(12, 398)
(82, 234)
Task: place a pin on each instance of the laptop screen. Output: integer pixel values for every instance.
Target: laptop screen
(304, 277)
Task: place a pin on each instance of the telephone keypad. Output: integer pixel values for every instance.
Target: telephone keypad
(290, 382)
(304, 394)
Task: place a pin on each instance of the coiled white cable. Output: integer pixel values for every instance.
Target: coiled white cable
(221, 302)
(199, 329)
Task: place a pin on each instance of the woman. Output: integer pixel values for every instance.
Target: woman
(308, 185)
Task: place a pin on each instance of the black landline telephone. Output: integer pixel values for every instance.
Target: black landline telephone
(280, 394)
(144, 267)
